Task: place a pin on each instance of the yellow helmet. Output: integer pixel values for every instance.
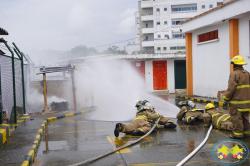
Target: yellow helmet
(238, 60)
(209, 106)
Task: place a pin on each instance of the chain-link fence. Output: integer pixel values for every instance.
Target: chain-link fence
(13, 82)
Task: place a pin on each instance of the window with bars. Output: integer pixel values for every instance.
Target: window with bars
(208, 36)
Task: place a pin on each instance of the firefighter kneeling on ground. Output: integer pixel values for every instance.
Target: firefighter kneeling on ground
(144, 120)
(189, 113)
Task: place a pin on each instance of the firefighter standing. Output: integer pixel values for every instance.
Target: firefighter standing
(238, 97)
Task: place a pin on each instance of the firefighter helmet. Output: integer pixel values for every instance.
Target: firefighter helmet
(209, 106)
(238, 60)
(191, 104)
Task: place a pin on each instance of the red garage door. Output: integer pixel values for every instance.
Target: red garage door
(160, 75)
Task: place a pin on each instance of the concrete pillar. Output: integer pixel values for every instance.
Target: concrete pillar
(189, 64)
(233, 38)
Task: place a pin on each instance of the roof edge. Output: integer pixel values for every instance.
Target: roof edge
(211, 10)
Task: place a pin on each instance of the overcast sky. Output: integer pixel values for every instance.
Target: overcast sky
(63, 24)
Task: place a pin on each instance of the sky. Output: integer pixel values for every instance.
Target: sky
(37, 25)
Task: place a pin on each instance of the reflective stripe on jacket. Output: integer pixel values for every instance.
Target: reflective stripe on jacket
(238, 91)
(218, 117)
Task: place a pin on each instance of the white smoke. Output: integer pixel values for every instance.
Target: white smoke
(114, 87)
(36, 101)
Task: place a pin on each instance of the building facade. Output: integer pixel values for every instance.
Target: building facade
(160, 29)
(160, 35)
(212, 39)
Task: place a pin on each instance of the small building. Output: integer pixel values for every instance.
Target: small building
(212, 39)
(161, 72)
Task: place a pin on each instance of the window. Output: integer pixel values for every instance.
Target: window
(165, 23)
(158, 48)
(176, 22)
(203, 6)
(164, 48)
(165, 9)
(158, 23)
(158, 9)
(184, 8)
(211, 6)
(178, 36)
(146, 25)
(166, 36)
(146, 38)
(159, 36)
(212, 35)
(177, 48)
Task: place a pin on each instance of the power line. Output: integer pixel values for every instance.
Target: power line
(118, 42)
(123, 41)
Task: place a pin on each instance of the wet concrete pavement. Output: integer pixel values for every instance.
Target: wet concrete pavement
(13, 152)
(75, 139)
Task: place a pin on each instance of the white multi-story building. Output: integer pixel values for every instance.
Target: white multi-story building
(160, 23)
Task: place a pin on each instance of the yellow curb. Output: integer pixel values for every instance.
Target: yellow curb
(25, 163)
(38, 137)
(4, 135)
(40, 131)
(69, 114)
(51, 119)
(31, 154)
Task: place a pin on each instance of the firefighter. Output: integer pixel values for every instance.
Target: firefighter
(238, 97)
(152, 116)
(220, 120)
(142, 123)
(189, 113)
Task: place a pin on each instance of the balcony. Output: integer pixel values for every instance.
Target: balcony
(147, 18)
(169, 42)
(147, 3)
(149, 43)
(147, 30)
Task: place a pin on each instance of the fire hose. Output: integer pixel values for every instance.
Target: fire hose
(191, 155)
(91, 160)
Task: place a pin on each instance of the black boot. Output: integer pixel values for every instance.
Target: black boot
(118, 129)
(170, 125)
